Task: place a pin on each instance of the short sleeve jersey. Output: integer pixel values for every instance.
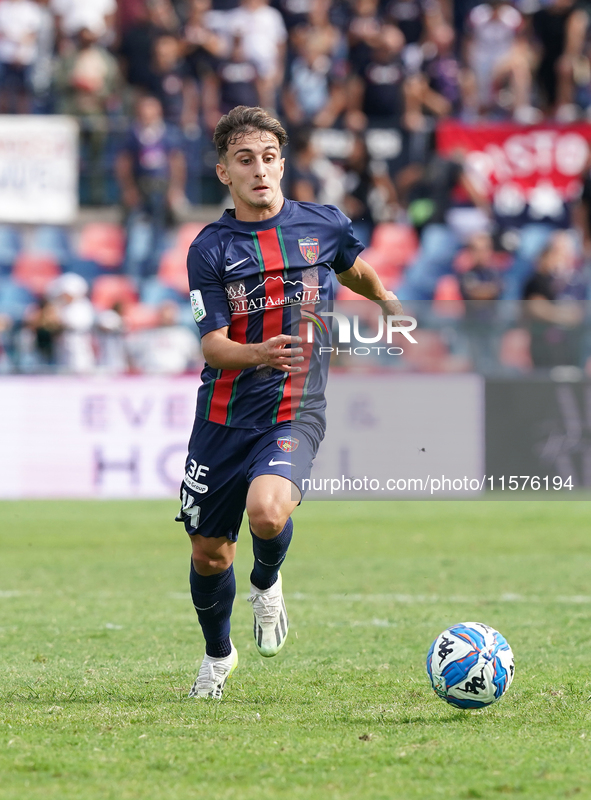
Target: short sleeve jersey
(262, 279)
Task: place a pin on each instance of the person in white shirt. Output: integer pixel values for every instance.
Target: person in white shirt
(263, 34)
(69, 294)
(169, 349)
(20, 23)
(97, 16)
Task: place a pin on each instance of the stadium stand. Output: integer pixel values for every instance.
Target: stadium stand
(368, 95)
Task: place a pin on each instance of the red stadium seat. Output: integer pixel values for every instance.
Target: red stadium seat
(107, 290)
(398, 243)
(448, 301)
(103, 243)
(386, 267)
(186, 234)
(139, 316)
(172, 271)
(35, 271)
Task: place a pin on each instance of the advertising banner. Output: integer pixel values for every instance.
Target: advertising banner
(388, 437)
(529, 171)
(541, 429)
(38, 169)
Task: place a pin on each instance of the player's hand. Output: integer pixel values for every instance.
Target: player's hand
(281, 352)
(391, 306)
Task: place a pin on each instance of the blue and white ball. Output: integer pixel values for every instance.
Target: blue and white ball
(470, 665)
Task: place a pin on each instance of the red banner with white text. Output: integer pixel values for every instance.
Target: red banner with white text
(528, 171)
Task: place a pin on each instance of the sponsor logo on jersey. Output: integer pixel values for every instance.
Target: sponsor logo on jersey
(310, 249)
(288, 444)
(295, 293)
(197, 305)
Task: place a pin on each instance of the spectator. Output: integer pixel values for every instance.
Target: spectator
(264, 38)
(110, 340)
(20, 24)
(44, 321)
(312, 177)
(314, 93)
(448, 88)
(171, 83)
(75, 16)
(75, 315)
(561, 27)
(168, 349)
(480, 286)
(553, 306)
(492, 34)
(234, 81)
(364, 33)
(156, 18)
(151, 173)
(42, 67)
(409, 16)
(431, 195)
(86, 81)
(370, 195)
(202, 43)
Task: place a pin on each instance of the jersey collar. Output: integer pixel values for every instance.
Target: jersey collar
(230, 220)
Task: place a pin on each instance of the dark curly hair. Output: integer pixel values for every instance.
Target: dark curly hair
(243, 120)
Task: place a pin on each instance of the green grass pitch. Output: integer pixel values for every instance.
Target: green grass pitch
(99, 645)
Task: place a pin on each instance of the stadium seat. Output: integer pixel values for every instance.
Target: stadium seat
(172, 271)
(104, 243)
(399, 243)
(89, 270)
(153, 292)
(186, 234)
(54, 241)
(14, 299)
(10, 245)
(35, 271)
(108, 290)
(388, 268)
(139, 316)
(447, 300)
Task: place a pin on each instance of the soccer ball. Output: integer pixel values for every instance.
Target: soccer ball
(470, 665)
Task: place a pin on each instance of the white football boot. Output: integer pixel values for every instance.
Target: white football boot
(270, 618)
(213, 674)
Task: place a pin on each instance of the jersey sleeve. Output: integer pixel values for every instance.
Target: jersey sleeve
(208, 297)
(349, 246)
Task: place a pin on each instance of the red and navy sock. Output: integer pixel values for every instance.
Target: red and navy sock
(268, 556)
(213, 597)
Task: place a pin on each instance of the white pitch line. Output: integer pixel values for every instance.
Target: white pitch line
(421, 599)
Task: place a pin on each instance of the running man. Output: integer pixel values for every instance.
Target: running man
(258, 276)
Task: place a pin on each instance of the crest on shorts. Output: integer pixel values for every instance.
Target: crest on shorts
(288, 444)
(310, 249)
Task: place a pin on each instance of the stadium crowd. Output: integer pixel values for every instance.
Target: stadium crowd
(361, 86)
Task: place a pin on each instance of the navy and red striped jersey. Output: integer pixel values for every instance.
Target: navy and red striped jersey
(261, 279)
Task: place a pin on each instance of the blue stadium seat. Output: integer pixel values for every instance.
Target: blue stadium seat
(14, 299)
(153, 292)
(10, 246)
(87, 269)
(55, 241)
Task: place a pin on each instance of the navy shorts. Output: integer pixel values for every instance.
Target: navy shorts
(223, 461)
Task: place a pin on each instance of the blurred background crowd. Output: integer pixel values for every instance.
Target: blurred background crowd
(363, 87)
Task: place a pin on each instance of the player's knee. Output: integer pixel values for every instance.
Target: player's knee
(266, 523)
(206, 563)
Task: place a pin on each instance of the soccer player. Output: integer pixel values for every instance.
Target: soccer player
(257, 277)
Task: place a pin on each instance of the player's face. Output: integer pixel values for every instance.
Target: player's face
(252, 170)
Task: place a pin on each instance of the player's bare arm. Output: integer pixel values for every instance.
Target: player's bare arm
(279, 352)
(362, 279)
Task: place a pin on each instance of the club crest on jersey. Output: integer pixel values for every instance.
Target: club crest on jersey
(288, 444)
(310, 249)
